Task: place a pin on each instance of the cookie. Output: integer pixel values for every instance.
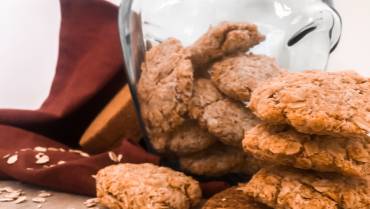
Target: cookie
(116, 121)
(238, 75)
(294, 189)
(222, 117)
(186, 139)
(165, 86)
(218, 160)
(232, 198)
(204, 94)
(228, 120)
(138, 186)
(314, 102)
(285, 146)
(223, 39)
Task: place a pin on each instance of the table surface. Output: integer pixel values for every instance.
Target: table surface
(351, 54)
(56, 201)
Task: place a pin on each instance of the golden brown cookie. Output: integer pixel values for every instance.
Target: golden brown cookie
(295, 189)
(139, 186)
(116, 121)
(223, 39)
(165, 86)
(232, 198)
(315, 102)
(285, 146)
(238, 75)
(217, 160)
(186, 139)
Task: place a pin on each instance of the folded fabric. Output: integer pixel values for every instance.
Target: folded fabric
(35, 146)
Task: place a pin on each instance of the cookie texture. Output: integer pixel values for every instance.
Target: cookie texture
(315, 102)
(232, 198)
(223, 39)
(218, 160)
(138, 186)
(238, 75)
(186, 139)
(285, 146)
(228, 120)
(165, 86)
(204, 94)
(293, 189)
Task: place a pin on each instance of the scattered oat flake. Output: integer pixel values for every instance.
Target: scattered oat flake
(7, 189)
(119, 157)
(40, 149)
(29, 169)
(54, 149)
(38, 199)
(20, 199)
(39, 206)
(84, 154)
(91, 202)
(4, 199)
(25, 149)
(44, 194)
(6, 156)
(12, 159)
(13, 195)
(62, 150)
(39, 155)
(43, 159)
(94, 176)
(112, 156)
(61, 162)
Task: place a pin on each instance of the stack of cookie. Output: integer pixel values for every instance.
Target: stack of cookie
(193, 99)
(315, 140)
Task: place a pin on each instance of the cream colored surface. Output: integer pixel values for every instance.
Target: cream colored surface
(353, 51)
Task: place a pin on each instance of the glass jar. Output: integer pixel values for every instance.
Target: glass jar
(299, 34)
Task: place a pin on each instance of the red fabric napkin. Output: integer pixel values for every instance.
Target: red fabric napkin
(89, 72)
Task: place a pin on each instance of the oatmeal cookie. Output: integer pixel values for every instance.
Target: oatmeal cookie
(217, 160)
(222, 117)
(186, 139)
(228, 120)
(138, 186)
(315, 102)
(223, 39)
(232, 198)
(204, 94)
(294, 189)
(165, 86)
(285, 146)
(238, 75)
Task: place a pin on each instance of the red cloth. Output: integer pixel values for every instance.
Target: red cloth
(89, 72)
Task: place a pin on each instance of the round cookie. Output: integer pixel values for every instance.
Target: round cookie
(222, 117)
(138, 186)
(217, 160)
(238, 75)
(228, 120)
(165, 86)
(186, 139)
(232, 198)
(315, 102)
(223, 39)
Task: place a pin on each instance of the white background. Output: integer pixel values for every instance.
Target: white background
(29, 32)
